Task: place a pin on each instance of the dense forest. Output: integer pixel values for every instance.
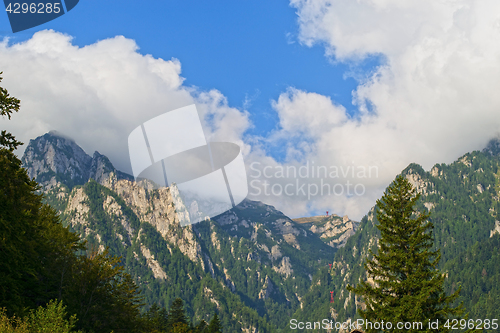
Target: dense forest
(463, 202)
(51, 280)
(113, 268)
(252, 270)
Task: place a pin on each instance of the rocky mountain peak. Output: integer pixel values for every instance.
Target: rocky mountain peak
(54, 154)
(55, 158)
(493, 147)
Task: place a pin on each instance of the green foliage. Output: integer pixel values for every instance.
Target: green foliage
(41, 260)
(102, 295)
(156, 319)
(35, 248)
(477, 272)
(176, 314)
(19, 207)
(49, 319)
(12, 325)
(464, 200)
(201, 327)
(214, 326)
(8, 105)
(408, 287)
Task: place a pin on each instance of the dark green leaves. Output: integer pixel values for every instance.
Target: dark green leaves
(406, 285)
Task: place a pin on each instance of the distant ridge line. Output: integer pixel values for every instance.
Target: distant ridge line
(312, 218)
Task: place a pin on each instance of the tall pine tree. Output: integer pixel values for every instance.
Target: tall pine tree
(407, 284)
(176, 313)
(215, 326)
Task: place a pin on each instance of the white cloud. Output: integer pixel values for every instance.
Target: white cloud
(434, 98)
(99, 93)
(296, 108)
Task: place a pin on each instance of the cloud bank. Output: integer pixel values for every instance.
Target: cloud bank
(99, 93)
(433, 99)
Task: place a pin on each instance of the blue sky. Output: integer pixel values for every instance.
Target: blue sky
(248, 50)
(423, 76)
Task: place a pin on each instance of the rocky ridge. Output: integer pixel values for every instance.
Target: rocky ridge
(251, 250)
(333, 229)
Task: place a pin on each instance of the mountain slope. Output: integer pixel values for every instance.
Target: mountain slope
(252, 264)
(463, 199)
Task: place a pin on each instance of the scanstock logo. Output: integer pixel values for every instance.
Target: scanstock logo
(170, 153)
(25, 14)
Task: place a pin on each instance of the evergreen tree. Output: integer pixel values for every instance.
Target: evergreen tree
(407, 285)
(8, 105)
(156, 319)
(214, 326)
(102, 295)
(39, 260)
(176, 314)
(201, 327)
(35, 249)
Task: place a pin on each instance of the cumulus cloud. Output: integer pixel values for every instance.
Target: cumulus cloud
(99, 93)
(433, 98)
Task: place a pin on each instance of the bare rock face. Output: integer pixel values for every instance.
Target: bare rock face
(158, 272)
(267, 290)
(418, 183)
(53, 154)
(275, 253)
(53, 159)
(496, 229)
(156, 207)
(284, 268)
(289, 232)
(101, 170)
(113, 209)
(108, 207)
(333, 229)
(77, 207)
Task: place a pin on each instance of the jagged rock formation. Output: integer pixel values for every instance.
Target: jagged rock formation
(496, 229)
(158, 272)
(250, 250)
(53, 159)
(333, 230)
(267, 290)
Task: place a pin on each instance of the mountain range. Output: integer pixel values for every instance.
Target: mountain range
(255, 266)
(463, 199)
(252, 264)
